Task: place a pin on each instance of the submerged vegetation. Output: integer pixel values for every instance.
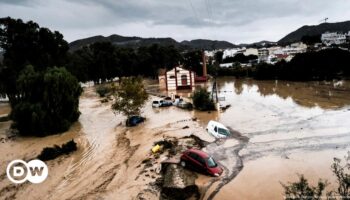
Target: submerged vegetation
(202, 101)
(302, 190)
(50, 153)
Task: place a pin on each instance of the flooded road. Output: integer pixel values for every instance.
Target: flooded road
(286, 128)
(293, 128)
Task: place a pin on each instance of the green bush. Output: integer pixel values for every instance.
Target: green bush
(202, 100)
(47, 102)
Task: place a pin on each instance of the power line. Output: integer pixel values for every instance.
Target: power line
(194, 11)
(207, 5)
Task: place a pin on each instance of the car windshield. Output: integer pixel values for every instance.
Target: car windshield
(211, 163)
(223, 131)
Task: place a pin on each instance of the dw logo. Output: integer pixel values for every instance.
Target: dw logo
(35, 171)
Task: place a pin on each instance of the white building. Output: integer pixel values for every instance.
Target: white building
(226, 65)
(333, 38)
(177, 78)
(295, 48)
(230, 52)
(251, 51)
(263, 55)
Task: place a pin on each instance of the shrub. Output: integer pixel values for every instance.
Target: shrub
(50, 153)
(302, 189)
(202, 101)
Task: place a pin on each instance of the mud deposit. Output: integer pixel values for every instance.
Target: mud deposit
(284, 128)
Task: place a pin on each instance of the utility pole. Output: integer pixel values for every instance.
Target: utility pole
(214, 91)
(324, 20)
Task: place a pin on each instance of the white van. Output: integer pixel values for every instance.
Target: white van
(217, 130)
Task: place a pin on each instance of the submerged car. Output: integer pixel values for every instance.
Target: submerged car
(200, 161)
(165, 103)
(134, 120)
(218, 130)
(161, 103)
(183, 104)
(155, 104)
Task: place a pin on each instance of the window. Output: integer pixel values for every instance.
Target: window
(201, 160)
(172, 77)
(216, 129)
(193, 155)
(211, 163)
(223, 131)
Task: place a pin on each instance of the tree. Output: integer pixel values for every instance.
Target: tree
(192, 61)
(218, 57)
(47, 101)
(343, 177)
(311, 39)
(44, 99)
(24, 44)
(202, 101)
(130, 96)
(302, 189)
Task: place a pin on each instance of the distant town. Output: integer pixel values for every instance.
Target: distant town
(272, 53)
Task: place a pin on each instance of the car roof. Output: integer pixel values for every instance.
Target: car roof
(199, 152)
(215, 123)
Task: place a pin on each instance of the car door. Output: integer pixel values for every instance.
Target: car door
(202, 164)
(195, 164)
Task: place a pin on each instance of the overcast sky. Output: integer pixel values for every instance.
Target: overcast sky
(237, 21)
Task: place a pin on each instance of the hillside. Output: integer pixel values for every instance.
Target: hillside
(135, 42)
(208, 44)
(314, 31)
(260, 44)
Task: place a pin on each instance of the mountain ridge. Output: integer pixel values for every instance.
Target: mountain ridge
(135, 42)
(314, 30)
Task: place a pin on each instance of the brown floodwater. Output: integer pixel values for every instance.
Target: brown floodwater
(291, 128)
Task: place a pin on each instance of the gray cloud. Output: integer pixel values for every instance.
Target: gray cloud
(233, 20)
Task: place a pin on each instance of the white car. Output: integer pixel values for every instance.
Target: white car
(156, 104)
(217, 130)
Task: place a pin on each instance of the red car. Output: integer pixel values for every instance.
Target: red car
(200, 161)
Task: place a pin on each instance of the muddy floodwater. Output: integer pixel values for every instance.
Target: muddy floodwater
(283, 129)
(293, 128)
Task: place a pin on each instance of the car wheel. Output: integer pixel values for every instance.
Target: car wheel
(183, 163)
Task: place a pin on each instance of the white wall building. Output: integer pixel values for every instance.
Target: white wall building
(178, 78)
(333, 38)
(226, 65)
(263, 55)
(251, 51)
(230, 52)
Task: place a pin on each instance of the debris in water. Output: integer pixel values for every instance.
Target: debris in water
(50, 153)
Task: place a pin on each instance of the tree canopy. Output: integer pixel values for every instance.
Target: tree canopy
(44, 98)
(27, 44)
(130, 96)
(202, 101)
(47, 101)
